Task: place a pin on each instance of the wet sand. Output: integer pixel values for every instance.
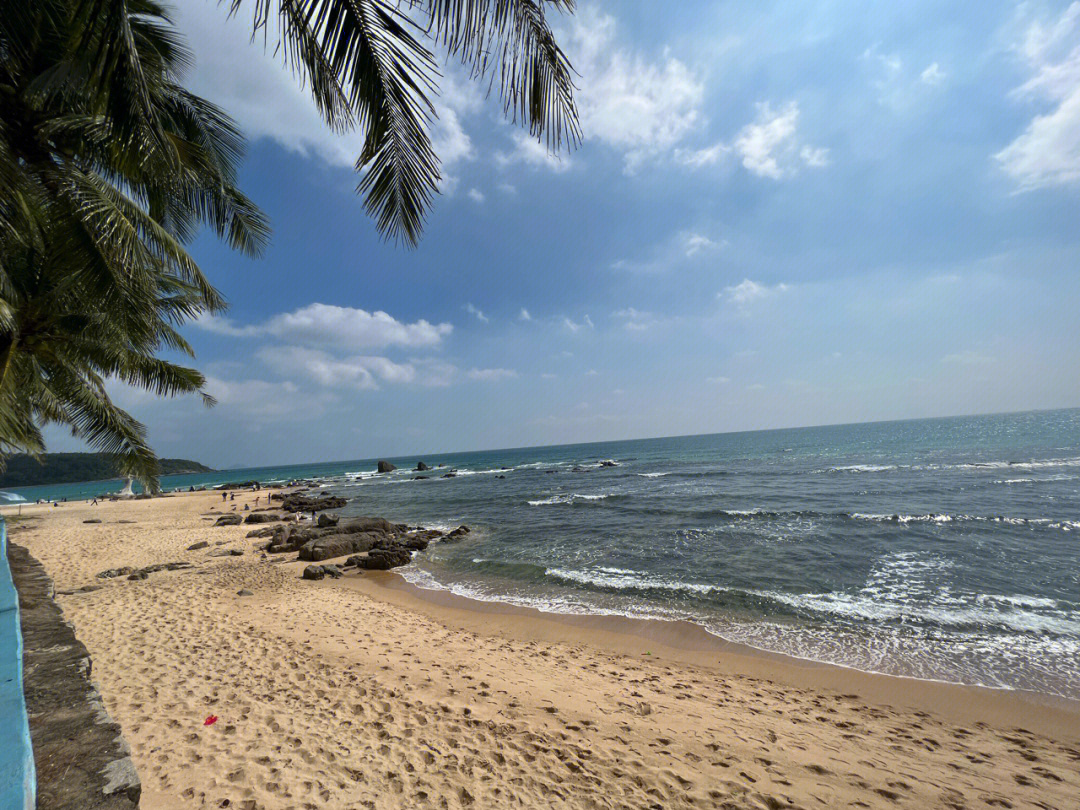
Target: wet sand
(367, 692)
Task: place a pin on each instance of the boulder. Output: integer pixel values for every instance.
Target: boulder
(313, 572)
(422, 467)
(456, 534)
(332, 571)
(384, 559)
(421, 477)
(337, 545)
(93, 520)
(353, 561)
(244, 592)
(265, 531)
(303, 503)
(325, 520)
(262, 517)
(450, 475)
(608, 463)
(229, 520)
(386, 466)
(116, 572)
(197, 546)
(372, 524)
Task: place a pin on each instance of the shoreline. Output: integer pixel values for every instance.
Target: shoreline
(688, 643)
(237, 683)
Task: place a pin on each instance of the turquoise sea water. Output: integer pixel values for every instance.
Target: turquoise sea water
(942, 548)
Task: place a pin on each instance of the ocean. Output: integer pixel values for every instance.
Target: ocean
(946, 549)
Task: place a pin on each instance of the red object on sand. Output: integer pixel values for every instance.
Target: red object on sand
(209, 721)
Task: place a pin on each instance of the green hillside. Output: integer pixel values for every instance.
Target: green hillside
(69, 468)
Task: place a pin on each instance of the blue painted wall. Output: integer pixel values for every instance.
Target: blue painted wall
(16, 752)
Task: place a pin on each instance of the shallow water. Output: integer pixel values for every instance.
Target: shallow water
(945, 548)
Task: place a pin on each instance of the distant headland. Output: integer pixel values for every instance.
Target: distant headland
(68, 468)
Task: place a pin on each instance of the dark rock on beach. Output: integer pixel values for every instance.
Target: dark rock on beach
(386, 466)
(313, 572)
(229, 520)
(244, 592)
(115, 572)
(385, 559)
(197, 546)
(326, 520)
(262, 517)
(337, 545)
(92, 520)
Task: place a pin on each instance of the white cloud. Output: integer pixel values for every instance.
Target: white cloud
(361, 372)
(933, 75)
(747, 292)
(697, 158)
(345, 328)
(532, 153)
(1047, 153)
(507, 188)
(695, 243)
(718, 380)
(472, 310)
(524, 315)
(636, 104)
(768, 147)
(634, 320)
(476, 195)
(575, 327)
(814, 157)
(490, 374)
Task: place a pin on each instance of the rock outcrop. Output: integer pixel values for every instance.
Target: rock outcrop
(422, 467)
(262, 517)
(229, 520)
(386, 466)
(303, 503)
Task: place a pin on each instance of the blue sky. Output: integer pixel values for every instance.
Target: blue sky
(782, 214)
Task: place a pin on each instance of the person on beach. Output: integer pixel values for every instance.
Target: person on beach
(224, 496)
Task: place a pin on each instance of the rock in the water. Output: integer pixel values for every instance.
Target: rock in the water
(372, 524)
(416, 542)
(244, 592)
(386, 466)
(450, 475)
(421, 477)
(197, 546)
(608, 463)
(262, 517)
(326, 520)
(457, 533)
(116, 572)
(313, 572)
(229, 520)
(302, 503)
(422, 467)
(384, 559)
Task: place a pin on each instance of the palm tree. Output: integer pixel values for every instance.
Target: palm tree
(370, 66)
(108, 168)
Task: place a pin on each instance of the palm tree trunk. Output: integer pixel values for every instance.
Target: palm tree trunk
(8, 344)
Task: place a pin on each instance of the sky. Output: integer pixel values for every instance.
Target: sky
(781, 214)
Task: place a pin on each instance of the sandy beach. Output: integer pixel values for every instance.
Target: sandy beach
(365, 693)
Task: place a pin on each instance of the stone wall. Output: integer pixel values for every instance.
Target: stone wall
(82, 761)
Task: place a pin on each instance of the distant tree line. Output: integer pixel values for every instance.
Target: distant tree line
(68, 468)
